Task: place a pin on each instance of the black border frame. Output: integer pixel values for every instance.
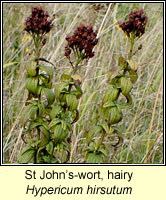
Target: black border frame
(79, 164)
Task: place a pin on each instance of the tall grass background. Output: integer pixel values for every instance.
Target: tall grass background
(142, 125)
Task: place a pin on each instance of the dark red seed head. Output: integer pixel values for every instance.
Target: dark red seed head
(136, 23)
(84, 39)
(38, 21)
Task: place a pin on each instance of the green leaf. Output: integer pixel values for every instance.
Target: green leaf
(105, 113)
(109, 104)
(49, 95)
(72, 101)
(62, 97)
(45, 125)
(65, 77)
(34, 125)
(59, 147)
(78, 91)
(46, 136)
(39, 89)
(54, 122)
(64, 124)
(26, 148)
(133, 76)
(31, 68)
(94, 158)
(90, 149)
(105, 126)
(59, 87)
(111, 130)
(111, 95)
(44, 78)
(115, 82)
(46, 159)
(123, 105)
(27, 155)
(133, 65)
(41, 108)
(115, 115)
(59, 133)
(32, 85)
(122, 62)
(55, 111)
(50, 147)
(126, 85)
(47, 69)
(61, 152)
(102, 151)
(98, 159)
(54, 160)
(49, 84)
(34, 102)
(90, 158)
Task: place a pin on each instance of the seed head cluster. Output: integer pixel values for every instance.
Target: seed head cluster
(83, 41)
(38, 21)
(136, 23)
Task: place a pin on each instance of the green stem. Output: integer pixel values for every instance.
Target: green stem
(37, 42)
(76, 66)
(101, 140)
(131, 46)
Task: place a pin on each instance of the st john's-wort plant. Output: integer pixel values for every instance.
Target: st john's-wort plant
(50, 113)
(120, 83)
(35, 117)
(68, 92)
(49, 123)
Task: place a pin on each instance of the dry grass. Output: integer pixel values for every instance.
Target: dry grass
(142, 125)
